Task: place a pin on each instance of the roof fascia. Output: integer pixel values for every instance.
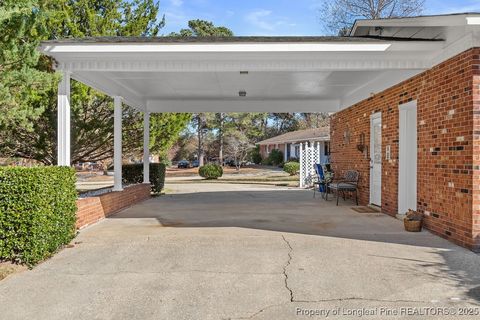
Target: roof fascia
(422, 21)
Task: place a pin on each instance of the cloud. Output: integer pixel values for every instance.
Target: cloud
(266, 22)
(259, 18)
(176, 3)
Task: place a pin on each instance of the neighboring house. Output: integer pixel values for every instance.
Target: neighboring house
(289, 143)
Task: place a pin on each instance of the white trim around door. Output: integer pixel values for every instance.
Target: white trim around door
(376, 159)
(407, 157)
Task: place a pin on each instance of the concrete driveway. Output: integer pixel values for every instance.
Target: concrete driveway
(218, 251)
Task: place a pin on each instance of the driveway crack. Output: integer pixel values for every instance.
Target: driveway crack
(287, 264)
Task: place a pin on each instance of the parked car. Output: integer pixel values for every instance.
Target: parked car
(195, 163)
(229, 162)
(183, 164)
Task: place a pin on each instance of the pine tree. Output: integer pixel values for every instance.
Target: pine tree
(204, 121)
(33, 107)
(21, 83)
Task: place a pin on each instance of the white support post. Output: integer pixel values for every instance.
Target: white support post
(285, 159)
(146, 149)
(321, 156)
(63, 121)
(302, 169)
(318, 156)
(117, 144)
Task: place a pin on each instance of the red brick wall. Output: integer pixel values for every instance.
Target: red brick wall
(476, 151)
(93, 209)
(263, 149)
(281, 147)
(446, 145)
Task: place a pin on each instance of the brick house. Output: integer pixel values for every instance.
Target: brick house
(289, 143)
(417, 143)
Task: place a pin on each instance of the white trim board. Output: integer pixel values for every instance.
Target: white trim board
(407, 157)
(373, 117)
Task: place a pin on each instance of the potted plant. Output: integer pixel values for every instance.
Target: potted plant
(413, 222)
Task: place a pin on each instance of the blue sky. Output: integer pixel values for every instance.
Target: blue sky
(273, 17)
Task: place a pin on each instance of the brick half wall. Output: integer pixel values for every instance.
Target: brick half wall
(448, 179)
(93, 209)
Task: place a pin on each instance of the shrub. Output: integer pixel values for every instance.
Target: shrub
(255, 155)
(267, 162)
(37, 212)
(133, 173)
(275, 157)
(210, 171)
(291, 167)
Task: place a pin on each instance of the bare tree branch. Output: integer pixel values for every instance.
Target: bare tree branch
(338, 16)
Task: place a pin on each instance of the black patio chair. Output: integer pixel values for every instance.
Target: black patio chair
(349, 183)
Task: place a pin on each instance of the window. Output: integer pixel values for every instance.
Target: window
(297, 151)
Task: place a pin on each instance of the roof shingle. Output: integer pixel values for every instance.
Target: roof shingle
(317, 134)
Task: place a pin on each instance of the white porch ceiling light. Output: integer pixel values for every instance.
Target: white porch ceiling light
(250, 47)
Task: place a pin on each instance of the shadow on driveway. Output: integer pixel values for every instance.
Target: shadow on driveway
(297, 212)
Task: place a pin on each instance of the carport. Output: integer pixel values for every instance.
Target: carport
(203, 252)
(239, 74)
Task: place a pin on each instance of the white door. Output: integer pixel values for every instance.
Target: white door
(407, 175)
(376, 159)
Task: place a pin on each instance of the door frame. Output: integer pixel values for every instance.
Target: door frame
(373, 117)
(405, 164)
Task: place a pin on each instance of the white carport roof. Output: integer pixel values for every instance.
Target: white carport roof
(278, 74)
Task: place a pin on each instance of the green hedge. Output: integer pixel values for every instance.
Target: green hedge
(37, 212)
(291, 168)
(210, 171)
(133, 173)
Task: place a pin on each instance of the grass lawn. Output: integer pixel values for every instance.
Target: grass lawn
(248, 175)
(255, 174)
(7, 268)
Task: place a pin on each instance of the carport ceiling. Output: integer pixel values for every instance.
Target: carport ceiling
(226, 85)
(278, 74)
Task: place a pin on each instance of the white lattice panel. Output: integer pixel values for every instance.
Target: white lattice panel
(309, 157)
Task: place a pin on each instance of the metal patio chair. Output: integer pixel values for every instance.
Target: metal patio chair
(349, 183)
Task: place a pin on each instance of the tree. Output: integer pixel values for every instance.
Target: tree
(339, 15)
(283, 122)
(92, 112)
(199, 122)
(186, 146)
(206, 121)
(313, 120)
(238, 147)
(21, 84)
(202, 28)
(220, 120)
(165, 131)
